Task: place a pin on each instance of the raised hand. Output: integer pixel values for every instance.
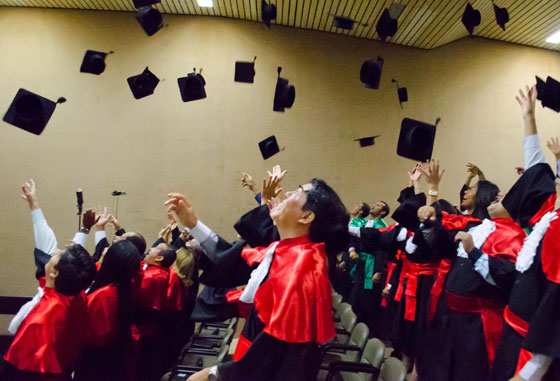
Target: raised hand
(103, 218)
(427, 213)
(113, 221)
(527, 101)
(270, 189)
(473, 171)
(182, 207)
(433, 174)
(554, 146)
(89, 219)
(277, 172)
(247, 181)
(416, 173)
(30, 194)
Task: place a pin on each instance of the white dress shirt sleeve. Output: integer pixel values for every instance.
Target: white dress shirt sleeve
(45, 240)
(207, 239)
(536, 368)
(482, 267)
(532, 151)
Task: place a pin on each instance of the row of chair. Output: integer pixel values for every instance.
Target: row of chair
(354, 357)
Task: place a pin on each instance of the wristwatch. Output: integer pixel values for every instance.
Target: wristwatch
(213, 373)
(84, 230)
(433, 192)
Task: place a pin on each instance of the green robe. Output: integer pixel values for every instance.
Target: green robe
(368, 258)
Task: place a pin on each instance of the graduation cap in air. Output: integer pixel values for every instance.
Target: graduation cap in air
(93, 62)
(416, 139)
(268, 12)
(367, 141)
(144, 3)
(342, 22)
(471, 18)
(386, 25)
(549, 93)
(269, 147)
(143, 84)
(401, 92)
(192, 86)
(245, 71)
(30, 112)
(284, 95)
(502, 16)
(150, 19)
(370, 73)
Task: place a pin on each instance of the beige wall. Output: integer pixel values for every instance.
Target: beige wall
(102, 139)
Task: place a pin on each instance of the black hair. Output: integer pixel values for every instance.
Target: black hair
(485, 195)
(138, 240)
(365, 209)
(385, 209)
(330, 224)
(76, 270)
(446, 206)
(169, 256)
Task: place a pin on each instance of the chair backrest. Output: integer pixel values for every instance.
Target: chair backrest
(342, 308)
(336, 300)
(359, 337)
(393, 370)
(374, 352)
(347, 376)
(347, 322)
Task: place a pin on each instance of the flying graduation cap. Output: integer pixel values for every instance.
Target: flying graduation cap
(416, 139)
(367, 141)
(143, 84)
(94, 62)
(150, 19)
(502, 16)
(245, 71)
(471, 18)
(144, 3)
(268, 12)
(284, 95)
(269, 147)
(192, 86)
(342, 22)
(401, 92)
(387, 24)
(549, 93)
(30, 112)
(370, 73)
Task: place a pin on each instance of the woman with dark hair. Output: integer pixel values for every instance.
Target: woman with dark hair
(477, 198)
(109, 312)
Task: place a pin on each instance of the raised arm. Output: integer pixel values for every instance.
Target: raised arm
(531, 146)
(433, 177)
(554, 146)
(45, 240)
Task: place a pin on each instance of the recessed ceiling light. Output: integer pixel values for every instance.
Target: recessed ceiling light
(554, 38)
(205, 3)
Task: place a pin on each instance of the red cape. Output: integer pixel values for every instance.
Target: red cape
(151, 291)
(102, 312)
(508, 241)
(50, 338)
(295, 302)
(550, 252)
(456, 221)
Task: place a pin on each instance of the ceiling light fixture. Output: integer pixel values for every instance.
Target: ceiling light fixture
(205, 3)
(554, 38)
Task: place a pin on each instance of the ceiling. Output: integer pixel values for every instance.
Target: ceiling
(424, 24)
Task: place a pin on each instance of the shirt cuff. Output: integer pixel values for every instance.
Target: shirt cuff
(200, 232)
(80, 238)
(37, 215)
(99, 235)
(354, 230)
(536, 367)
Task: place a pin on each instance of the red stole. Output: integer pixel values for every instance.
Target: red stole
(51, 336)
(295, 301)
(102, 313)
(456, 221)
(506, 241)
(151, 291)
(550, 251)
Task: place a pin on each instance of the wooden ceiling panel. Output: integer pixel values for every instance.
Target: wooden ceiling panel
(424, 24)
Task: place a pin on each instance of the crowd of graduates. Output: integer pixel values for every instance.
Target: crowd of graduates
(465, 292)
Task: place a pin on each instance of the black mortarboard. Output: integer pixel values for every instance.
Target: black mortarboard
(386, 25)
(150, 19)
(268, 12)
(530, 194)
(244, 71)
(93, 62)
(30, 112)
(144, 3)
(343, 22)
(471, 18)
(502, 16)
(406, 213)
(416, 139)
(367, 141)
(401, 92)
(370, 73)
(192, 87)
(284, 95)
(269, 147)
(549, 93)
(143, 84)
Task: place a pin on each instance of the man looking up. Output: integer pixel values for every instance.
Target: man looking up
(289, 291)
